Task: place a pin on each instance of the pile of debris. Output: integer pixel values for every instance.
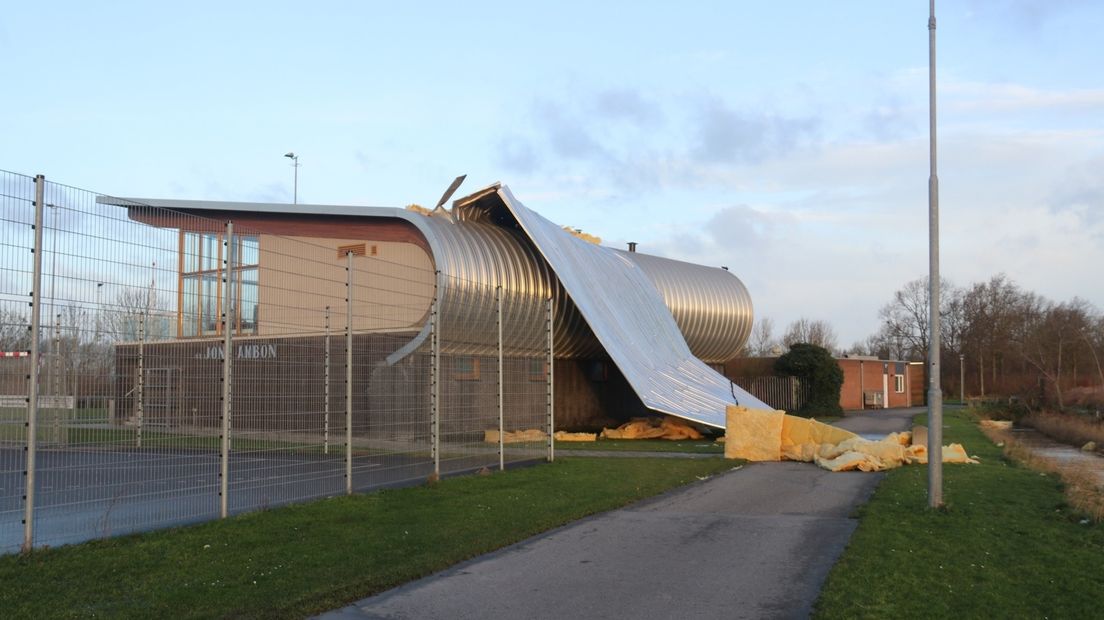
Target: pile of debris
(668, 427)
(765, 435)
(674, 429)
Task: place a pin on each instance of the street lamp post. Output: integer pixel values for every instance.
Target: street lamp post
(935, 391)
(99, 311)
(962, 378)
(294, 164)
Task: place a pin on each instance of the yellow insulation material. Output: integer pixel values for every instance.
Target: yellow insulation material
(669, 427)
(753, 434)
(533, 434)
(566, 436)
(765, 435)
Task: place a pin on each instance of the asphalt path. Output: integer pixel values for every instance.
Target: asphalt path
(755, 542)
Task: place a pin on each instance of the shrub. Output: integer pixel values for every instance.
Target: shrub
(816, 367)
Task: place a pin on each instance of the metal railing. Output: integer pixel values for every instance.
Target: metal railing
(786, 393)
(167, 368)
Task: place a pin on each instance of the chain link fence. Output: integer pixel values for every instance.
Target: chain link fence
(160, 368)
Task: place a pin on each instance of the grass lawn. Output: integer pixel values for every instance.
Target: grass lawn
(298, 560)
(702, 446)
(1007, 545)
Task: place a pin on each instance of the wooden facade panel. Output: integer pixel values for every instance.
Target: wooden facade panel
(299, 277)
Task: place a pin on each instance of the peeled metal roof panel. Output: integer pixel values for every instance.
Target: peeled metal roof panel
(635, 327)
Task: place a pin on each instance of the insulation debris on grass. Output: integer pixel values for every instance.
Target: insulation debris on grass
(766, 435)
(524, 436)
(566, 436)
(668, 427)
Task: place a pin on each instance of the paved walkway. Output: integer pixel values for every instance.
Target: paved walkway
(756, 542)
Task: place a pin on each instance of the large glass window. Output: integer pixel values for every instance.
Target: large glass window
(202, 282)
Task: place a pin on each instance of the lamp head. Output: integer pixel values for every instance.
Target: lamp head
(289, 155)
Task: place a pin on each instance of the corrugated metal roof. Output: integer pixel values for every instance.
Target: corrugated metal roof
(628, 316)
(710, 305)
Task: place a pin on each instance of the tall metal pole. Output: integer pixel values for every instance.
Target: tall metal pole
(501, 384)
(349, 374)
(935, 392)
(32, 377)
(227, 373)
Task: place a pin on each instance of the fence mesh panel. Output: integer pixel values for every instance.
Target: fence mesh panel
(191, 367)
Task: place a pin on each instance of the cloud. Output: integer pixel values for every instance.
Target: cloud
(516, 154)
(1081, 192)
(624, 139)
(726, 135)
(1027, 15)
(889, 121)
(628, 105)
(1008, 97)
(565, 132)
(839, 250)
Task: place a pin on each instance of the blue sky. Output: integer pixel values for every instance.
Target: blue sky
(787, 141)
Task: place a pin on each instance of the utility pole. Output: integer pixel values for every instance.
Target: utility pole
(935, 392)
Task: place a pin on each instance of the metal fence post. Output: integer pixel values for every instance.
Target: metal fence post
(227, 371)
(551, 384)
(501, 383)
(349, 373)
(140, 389)
(32, 377)
(54, 435)
(435, 386)
(326, 390)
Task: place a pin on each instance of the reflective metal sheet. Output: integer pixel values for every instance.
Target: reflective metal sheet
(629, 318)
(710, 305)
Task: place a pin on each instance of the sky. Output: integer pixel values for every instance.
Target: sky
(787, 141)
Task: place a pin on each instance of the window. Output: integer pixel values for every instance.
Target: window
(465, 368)
(201, 282)
(357, 249)
(538, 370)
(899, 383)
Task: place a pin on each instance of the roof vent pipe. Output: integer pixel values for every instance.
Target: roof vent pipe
(632, 246)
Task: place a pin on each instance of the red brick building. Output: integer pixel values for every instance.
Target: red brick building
(868, 382)
(871, 383)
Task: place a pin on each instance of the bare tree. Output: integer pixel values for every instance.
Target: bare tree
(1093, 334)
(859, 347)
(762, 338)
(15, 334)
(905, 327)
(1011, 338)
(819, 333)
(132, 312)
(1047, 336)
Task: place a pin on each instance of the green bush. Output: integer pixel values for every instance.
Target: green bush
(816, 367)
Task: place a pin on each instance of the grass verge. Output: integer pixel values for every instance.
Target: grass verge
(1080, 484)
(1007, 545)
(702, 446)
(299, 560)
